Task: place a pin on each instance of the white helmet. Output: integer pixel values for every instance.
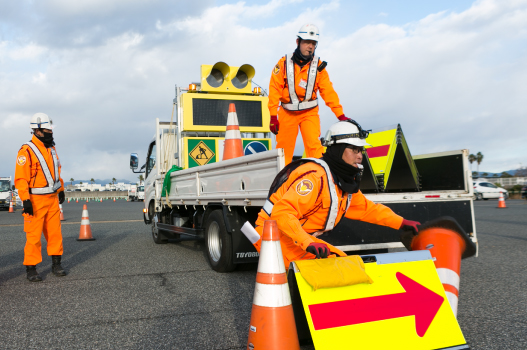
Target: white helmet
(308, 32)
(349, 132)
(41, 121)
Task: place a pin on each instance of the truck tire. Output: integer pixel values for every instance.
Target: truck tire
(218, 242)
(158, 237)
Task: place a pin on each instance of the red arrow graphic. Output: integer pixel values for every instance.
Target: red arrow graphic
(417, 301)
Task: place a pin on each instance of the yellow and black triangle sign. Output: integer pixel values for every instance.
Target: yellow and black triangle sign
(202, 154)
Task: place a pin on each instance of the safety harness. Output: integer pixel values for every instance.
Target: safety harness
(282, 177)
(307, 103)
(52, 185)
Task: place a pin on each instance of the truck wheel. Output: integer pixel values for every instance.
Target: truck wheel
(156, 235)
(219, 243)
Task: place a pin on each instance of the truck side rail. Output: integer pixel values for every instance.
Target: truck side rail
(243, 181)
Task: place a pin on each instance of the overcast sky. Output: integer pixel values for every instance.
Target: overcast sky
(453, 73)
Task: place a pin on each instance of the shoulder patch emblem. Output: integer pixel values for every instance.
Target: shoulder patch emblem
(304, 187)
(276, 69)
(21, 160)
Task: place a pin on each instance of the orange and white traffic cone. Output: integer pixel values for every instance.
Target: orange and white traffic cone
(501, 201)
(11, 208)
(68, 200)
(448, 244)
(114, 199)
(77, 201)
(85, 233)
(233, 138)
(61, 213)
(272, 319)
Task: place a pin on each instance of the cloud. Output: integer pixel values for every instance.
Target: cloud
(105, 70)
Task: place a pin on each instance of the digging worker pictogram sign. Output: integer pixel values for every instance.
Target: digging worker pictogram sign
(202, 154)
(404, 308)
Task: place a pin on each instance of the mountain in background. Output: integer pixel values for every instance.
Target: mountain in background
(513, 172)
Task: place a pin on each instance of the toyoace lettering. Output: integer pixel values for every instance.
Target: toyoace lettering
(247, 255)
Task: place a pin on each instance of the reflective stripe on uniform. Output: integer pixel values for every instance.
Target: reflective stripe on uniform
(333, 209)
(268, 207)
(295, 104)
(45, 169)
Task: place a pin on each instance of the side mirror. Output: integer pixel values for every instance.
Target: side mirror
(134, 161)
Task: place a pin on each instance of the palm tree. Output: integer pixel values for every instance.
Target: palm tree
(71, 181)
(141, 179)
(92, 181)
(113, 180)
(471, 159)
(80, 183)
(479, 159)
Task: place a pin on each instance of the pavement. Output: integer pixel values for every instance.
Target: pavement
(125, 292)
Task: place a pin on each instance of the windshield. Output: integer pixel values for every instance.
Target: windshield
(5, 185)
(141, 189)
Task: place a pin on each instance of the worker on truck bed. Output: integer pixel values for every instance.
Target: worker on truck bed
(41, 189)
(295, 81)
(310, 196)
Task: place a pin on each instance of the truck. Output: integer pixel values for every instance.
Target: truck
(141, 193)
(5, 192)
(132, 193)
(191, 194)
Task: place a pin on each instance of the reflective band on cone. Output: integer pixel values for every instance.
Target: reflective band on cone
(272, 319)
(501, 202)
(233, 139)
(448, 244)
(61, 213)
(85, 232)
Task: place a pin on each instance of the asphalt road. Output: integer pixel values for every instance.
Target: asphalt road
(125, 292)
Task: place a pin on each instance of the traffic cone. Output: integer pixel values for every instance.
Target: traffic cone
(87, 200)
(233, 138)
(77, 201)
(85, 233)
(61, 213)
(11, 208)
(501, 202)
(272, 320)
(448, 244)
(68, 199)
(114, 199)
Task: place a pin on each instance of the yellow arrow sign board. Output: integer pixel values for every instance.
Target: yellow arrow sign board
(404, 308)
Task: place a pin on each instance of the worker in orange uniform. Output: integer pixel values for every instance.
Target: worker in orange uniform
(41, 189)
(310, 196)
(295, 81)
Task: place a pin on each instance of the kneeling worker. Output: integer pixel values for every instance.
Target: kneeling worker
(41, 189)
(310, 196)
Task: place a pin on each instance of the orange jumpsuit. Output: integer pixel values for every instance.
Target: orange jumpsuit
(308, 120)
(46, 212)
(302, 204)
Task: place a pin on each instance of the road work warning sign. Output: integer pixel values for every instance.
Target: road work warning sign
(201, 153)
(404, 308)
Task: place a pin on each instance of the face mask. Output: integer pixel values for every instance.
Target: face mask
(47, 139)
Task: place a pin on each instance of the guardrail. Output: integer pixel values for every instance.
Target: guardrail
(97, 194)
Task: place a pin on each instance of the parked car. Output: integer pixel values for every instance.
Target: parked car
(485, 190)
(524, 192)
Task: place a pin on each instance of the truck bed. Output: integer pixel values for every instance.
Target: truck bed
(243, 181)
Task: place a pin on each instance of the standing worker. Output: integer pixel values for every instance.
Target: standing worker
(310, 196)
(37, 178)
(295, 81)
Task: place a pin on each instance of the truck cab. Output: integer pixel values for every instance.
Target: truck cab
(5, 192)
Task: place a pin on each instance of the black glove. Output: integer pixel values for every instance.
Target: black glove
(320, 250)
(62, 196)
(28, 207)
